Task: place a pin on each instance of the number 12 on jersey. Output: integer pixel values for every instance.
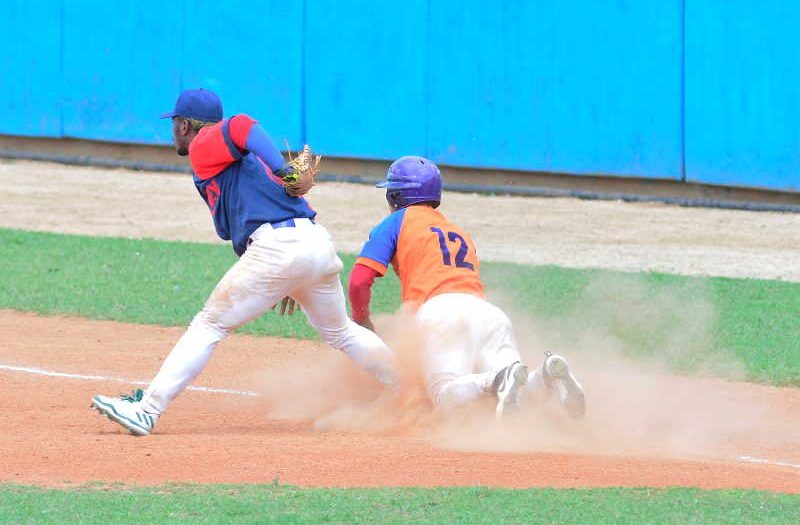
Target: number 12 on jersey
(462, 249)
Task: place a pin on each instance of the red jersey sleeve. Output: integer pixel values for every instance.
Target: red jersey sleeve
(360, 290)
(239, 128)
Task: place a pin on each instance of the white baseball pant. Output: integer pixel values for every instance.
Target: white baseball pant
(467, 341)
(295, 261)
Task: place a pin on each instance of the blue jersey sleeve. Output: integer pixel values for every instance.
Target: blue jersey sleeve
(382, 243)
(260, 143)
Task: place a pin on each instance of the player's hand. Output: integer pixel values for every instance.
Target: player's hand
(287, 306)
(366, 323)
(300, 174)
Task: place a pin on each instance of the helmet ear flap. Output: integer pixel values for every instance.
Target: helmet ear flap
(395, 199)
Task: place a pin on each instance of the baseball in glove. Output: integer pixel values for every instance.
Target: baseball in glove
(300, 173)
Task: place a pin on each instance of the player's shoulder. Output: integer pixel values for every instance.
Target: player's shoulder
(423, 218)
(240, 118)
(424, 215)
(390, 224)
(423, 210)
(208, 146)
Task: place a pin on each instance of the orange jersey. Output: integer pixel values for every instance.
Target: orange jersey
(430, 254)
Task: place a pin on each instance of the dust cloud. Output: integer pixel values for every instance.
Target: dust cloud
(653, 386)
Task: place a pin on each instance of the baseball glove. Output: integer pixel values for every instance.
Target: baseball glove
(301, 172)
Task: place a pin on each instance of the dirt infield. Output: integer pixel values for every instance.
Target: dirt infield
(564, 232)
(321, 428)
(296, 412)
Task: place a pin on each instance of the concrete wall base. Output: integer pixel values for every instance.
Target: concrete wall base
(163, 158)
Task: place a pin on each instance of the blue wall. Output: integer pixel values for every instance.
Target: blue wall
(118, 70)
(743, 92)
(569, 86)
(705, 90)
(366, 87)
(30, 68)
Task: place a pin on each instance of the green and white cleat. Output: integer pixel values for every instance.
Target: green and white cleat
(127, 411)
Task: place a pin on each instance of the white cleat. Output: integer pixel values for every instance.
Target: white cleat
(507, 385)
(126, 411)
(557, 374)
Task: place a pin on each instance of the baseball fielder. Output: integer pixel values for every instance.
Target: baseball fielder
(469, 347)
(256, 202)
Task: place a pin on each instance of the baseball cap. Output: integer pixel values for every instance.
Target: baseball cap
(201, 104)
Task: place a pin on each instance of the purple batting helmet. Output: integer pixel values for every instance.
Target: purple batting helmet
(411, 180)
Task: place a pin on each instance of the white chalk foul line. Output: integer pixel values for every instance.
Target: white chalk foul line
(751, 459)
(83, 377)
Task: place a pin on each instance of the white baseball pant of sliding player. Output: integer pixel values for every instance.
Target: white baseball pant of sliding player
(467, 342)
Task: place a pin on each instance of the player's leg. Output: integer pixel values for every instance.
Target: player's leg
(555, 376)
(321, 296)
(497, 353)
(499, 348)
(470, 352)
(450, 383)
(250, 287)
(324, 305)
(450, 352)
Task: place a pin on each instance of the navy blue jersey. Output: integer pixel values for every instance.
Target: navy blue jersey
(240, 190)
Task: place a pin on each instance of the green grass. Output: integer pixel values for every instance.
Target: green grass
(688, 323)
(180, 504)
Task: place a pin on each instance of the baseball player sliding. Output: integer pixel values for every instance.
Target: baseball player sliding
(256, 202)
(469, 347)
